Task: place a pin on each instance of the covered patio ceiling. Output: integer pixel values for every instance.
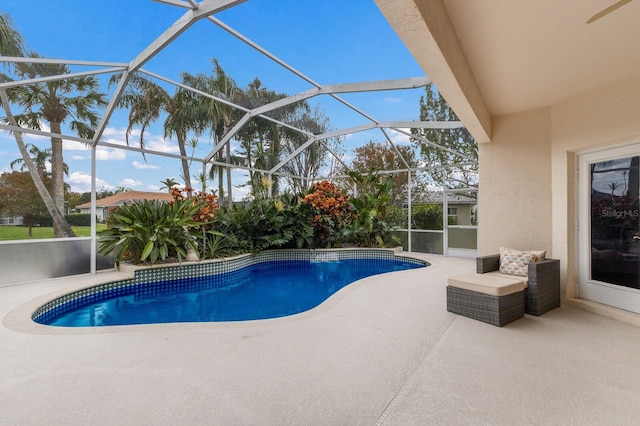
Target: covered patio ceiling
(496, 57)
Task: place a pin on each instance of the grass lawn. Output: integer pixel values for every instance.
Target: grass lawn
(22, 232)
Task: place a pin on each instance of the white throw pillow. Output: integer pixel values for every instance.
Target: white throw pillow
(516, 262)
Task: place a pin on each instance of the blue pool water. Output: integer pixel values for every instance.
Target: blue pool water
(264, 290)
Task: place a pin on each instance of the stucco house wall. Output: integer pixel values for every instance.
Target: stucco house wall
(528, 173)
(597, 119)
(514, 200)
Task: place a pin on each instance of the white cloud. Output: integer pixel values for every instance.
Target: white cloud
(81, 182)
(119, 133)
(392, 100)
(116, 136)
(130, 183)
(143, 166)
(75, 146)
(103, 153)
(153, 188)
(158, 143)
(400, 138)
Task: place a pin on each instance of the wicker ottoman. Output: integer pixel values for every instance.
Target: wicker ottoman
(494, 300)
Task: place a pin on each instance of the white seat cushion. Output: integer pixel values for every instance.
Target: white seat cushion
(524, 279)
(488, 284)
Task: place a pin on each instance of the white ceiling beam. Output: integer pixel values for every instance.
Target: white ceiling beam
(16, 83)
(224, 101)
(21, 59)
(321, 137)
(196, 91)
(347, 131)
(262, 50)
(289, 67)
(428, 142)
(407, 83)
(422, 124)
(228, 136)
(179, 3)
(89, 142)
(395, 148)
(373, 86)
(205, 8)
(111, 106)
(43, 133)
(292, 155)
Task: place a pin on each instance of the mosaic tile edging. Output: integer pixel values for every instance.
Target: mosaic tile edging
(154, 276)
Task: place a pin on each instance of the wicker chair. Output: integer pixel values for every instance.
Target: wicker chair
(543, 290)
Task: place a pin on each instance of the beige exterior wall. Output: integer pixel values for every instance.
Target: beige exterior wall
(528, 173)
(463, 216)
(601, 118)
(515, 185)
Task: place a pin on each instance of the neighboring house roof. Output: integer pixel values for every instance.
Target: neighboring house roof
(438, 197)
(128, 197)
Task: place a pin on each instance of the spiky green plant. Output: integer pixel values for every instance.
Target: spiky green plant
(148, 231)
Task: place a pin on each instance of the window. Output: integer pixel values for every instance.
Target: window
(452, 215)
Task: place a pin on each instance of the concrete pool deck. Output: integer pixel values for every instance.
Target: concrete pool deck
(381, 351)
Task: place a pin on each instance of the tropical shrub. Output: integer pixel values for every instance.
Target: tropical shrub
(265, 224)
(236, 223)
(330, 211)
(397, 217)
(295, 218)
(427, 216)
(369, 226)
(149, 230)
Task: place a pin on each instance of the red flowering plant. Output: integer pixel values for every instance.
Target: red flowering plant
(331, 211)
(206, 206)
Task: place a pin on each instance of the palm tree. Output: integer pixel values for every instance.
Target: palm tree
(12, 44)
(147, 100)
(168, 183)
(56, 102)
(218, 117)
(40, 158)
(11, 41)
(259, 138)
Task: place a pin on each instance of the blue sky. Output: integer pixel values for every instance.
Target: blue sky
(330, 41)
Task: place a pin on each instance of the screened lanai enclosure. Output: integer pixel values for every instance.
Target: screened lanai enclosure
(213, 95)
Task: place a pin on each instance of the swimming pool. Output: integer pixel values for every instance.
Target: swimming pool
(258, 287)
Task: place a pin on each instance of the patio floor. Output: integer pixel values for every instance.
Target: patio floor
(381, 351)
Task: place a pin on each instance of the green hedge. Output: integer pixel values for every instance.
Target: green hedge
(76, 219)
(79, 219)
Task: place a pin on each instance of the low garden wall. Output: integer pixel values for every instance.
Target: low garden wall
(26, 261)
